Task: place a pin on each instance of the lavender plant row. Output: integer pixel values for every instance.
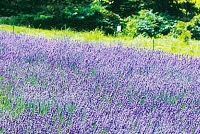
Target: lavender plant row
(62, 86)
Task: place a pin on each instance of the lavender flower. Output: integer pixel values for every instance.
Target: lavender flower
(61, 86)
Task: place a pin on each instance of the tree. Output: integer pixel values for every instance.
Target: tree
(189, 10)
(171, 7)
(7, 8)
(123, 8)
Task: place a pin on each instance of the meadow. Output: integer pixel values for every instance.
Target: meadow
(163, 43)
(51, 85)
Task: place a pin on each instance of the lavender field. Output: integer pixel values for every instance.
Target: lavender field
(62, 86)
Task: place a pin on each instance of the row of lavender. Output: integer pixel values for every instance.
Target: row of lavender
(61, 86)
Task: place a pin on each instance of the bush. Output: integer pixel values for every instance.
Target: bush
(32, 20)
(180, 31)
(148, 23)
(110, 22)
(23, 20)
(194, 27)
(4, 20)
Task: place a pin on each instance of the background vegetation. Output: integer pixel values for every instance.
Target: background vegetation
(177, 18)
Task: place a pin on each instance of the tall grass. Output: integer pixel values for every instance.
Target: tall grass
(164, 43)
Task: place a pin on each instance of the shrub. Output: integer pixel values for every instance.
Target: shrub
(180, 31)
(32, 20)
(110, 22)
(194, 27)
(148, 24)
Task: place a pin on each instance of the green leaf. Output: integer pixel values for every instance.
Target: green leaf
(84, 112)
(189, 79)
(2, 78)
(8, 88)
(142, 101)
(130, 129)
(119, 103)
(88, 75)
(26, 105)
(166, 97)
(69, 109)
(33, 109)
(110, 100)
(94, 126)
(117, 84)
(135, 124)
(96, 89)
(32, 83)
(93, 72)
(2, 130)
(75, 71)
(183, 106)
(27, 79)
(4, 101)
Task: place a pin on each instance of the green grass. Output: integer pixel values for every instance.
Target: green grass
(164, 43)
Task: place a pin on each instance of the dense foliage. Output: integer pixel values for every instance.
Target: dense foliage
(123, 8)
(173, 8)
(61, 86)
(149, 24)
(195, 28)
(105, 15)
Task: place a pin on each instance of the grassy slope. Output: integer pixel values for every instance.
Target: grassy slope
(165, 43)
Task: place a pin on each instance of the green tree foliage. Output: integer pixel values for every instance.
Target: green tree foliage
(123, 8)
(91, 14)
(76, 14)
(7, 8)
(149, 24)
(195, 28)
(16, 7)
(180, 31)
(161, 5)
(81, 15)
(181, 10)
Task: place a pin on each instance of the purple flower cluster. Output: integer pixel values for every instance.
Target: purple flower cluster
(62, 86)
